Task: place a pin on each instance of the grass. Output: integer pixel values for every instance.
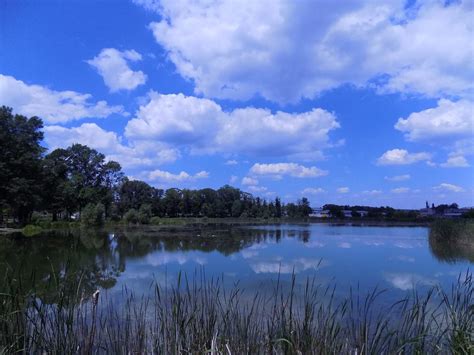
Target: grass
(202, 316)
(460, 231)
(31, 230)
(452, 240)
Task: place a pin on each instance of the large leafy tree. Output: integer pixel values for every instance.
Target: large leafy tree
(20, 163)
(134, 194)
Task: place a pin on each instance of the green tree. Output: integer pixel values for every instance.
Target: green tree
(135, 193)
(236, 208)
(20, 163)
(277, 208)
(144, 214)
(132, 216)
(93, 215)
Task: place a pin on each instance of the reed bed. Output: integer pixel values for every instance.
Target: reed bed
(204, 317)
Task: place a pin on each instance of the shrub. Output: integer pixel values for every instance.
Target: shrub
(93, 215)
(31, 230)
(144, 214)
(132, 216)
(155, 220)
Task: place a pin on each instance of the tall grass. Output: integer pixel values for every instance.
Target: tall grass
(202, 316)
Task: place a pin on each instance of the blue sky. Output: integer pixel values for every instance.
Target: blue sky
(343, 102)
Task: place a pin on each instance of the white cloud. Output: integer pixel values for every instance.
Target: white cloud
(278, 265)
(249, 181)
(290, 169)
(448, 187)
(397, 178)
(372, 192)
(457, 161)
(112, 65)
(401, 157)
(400, 190)
(342, 190)
(233, 179)
(167, 177)
(344, 245)
(286, 50)
(313, 191)
(406, 281)
(448, 119)
(257, 189)
(204, 127)
(231, 162)
(51, 106)
(133, 154)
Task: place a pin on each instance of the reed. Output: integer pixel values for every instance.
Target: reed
(200, 315)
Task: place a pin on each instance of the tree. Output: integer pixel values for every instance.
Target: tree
(85, 175)
(171, 202)
(55, 175)
(144, 214)
(93, 215)
(112, 176)
(20, 164)
(304, 207)
(236, 208)
(134, 194)
(277, 208)
(132, 216)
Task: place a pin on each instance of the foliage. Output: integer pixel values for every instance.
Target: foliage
(469, 214)
(93, 215)
(31, 230)
(144, 214)
(132, 216)
(20, 164)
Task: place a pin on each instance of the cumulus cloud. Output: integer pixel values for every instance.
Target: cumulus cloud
(401, 157)
(448, 187)
(231, 162)
(113, 66)
(313, 191)
(397, 178)
(278, 265)
(249, 181)
(50, 105)
(448, 119)
(257, 189)
(372, 192)
(203, 126)
(342, 190)
(289, 169)
(167, 177)
(286, 50)
(456, 161)
(133, 154)
(401, 190)
(406, 281)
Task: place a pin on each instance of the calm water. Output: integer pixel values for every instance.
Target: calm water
(395, 258)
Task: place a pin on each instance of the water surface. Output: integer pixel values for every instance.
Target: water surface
(398, 259)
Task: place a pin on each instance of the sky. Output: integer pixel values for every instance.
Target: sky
(347, 102)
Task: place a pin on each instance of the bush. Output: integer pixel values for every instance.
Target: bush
(144, 214)
(155, 220)
(131, 216)
(40, 217)
(31, 230)
(93, 215)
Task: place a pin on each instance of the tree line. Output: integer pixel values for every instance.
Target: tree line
(79, 181)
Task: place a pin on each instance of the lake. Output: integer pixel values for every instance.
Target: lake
(398, 259)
